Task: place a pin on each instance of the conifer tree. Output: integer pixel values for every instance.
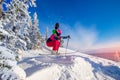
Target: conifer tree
(16, 31)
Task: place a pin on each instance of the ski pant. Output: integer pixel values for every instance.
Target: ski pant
(55, 44)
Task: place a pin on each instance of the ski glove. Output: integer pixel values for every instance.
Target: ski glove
(65, 37)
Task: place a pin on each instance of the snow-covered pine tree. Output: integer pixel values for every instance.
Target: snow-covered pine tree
(13, 22)
(18, 22)
(46, 33)
(15, 28)
(35, 36)
(17, 16)
(7, 64)
(1, 12)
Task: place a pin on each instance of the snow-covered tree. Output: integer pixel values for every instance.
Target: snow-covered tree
(17, 16)
(7, 63)
(8, 55)
(17, 32)
(35, 36)
(1, 12)
(46, 37)
(19, 23)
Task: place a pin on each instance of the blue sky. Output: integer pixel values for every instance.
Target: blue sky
(104, 14)
(89, 22)
(99, 20)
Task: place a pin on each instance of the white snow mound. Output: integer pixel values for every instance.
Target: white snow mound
(71, 66)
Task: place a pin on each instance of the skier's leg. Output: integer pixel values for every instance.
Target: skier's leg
(49, 44)
(56, 46)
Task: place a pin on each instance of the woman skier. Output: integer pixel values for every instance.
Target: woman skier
(54, 40)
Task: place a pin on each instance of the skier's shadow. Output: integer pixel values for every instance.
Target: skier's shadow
(112, 71)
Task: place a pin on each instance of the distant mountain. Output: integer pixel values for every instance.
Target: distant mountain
(112, 53)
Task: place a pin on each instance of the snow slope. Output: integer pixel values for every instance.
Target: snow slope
(40, 65)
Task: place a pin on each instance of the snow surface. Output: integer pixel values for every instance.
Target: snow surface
(41, 65)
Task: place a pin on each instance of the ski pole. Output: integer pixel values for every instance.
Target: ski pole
(66, 46)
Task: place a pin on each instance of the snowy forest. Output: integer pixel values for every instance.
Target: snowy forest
(18, 32)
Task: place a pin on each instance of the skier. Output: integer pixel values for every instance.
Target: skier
(54, 40)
